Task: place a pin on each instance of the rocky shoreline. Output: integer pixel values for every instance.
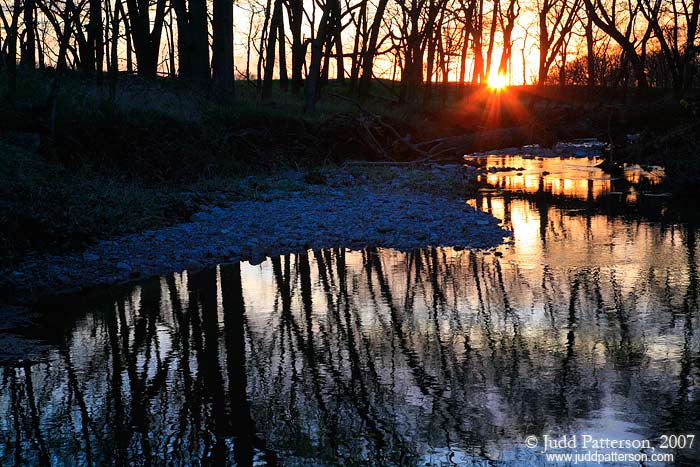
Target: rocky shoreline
(352, 207)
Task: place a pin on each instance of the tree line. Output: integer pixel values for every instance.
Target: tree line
(413, 43)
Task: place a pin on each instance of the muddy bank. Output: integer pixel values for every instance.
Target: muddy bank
(400, 208)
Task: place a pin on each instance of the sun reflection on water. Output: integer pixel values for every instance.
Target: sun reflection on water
(574, 177)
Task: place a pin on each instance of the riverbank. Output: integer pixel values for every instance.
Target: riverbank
(677, 149)
(347, 207)
(149, 156)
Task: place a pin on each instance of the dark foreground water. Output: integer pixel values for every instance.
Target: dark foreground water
(586, 325)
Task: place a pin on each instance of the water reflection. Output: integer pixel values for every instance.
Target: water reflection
(573, 177)
(586, 325)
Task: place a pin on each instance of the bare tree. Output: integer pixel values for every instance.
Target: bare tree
(192, 40)
(295, 11)
(608, 18)
(275, 24)
(507, 19)
(146, 38)
(28, 48)
(556, 20)
(368, 55)
(678, 52)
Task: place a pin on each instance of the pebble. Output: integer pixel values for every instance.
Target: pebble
(124, 266)
(365, 213)
(201, 216)
(90, 256)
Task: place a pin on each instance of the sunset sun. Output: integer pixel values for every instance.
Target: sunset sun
(497, 81)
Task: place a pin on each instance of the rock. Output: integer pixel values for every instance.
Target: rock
(217, 212)
(257, 258)
(201, 216)
(123, 266)
(90, 257)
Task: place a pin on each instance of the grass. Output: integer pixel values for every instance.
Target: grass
(44, 205)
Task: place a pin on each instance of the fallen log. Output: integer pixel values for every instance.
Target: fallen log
(458, 146)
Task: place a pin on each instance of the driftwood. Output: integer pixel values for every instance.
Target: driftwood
(373, 124)
(484, 140)
(394, 149)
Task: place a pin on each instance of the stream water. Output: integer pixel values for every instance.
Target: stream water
(584, 324)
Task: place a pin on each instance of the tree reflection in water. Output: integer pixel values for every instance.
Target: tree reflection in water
(375, 357)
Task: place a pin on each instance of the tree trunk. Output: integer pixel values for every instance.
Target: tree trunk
(296, 16)
(356, 63)
(590, 58)
(12, 54)
(95, 43)
(463, 57)
(492, 37)
(106, 37)
(544, 48)
(127, 35)
(114, 61)
(338, 42)
(184, 39)
(197, 34)
(263, 37)
(222, 57)
(270, 49)
(314, 74)
(284, 78)
(340, 71)
(368, 56)
(690, 52)
(28, 52)
(427, 85)
(146, 41)
(478, 75)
